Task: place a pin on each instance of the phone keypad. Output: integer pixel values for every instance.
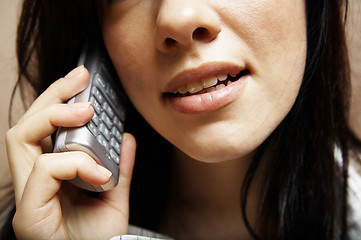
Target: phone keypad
(106, 125)
(97, 107)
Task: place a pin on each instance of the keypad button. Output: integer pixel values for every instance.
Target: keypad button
(108, 109)
(114, 143)
(103, 142)
(106, 124)
(95, 119)
(105, 131)
(118, 123)
(113, 96)
(105, 118)
(92, 128)
(116, 133)
(100, 82)
(114, 156)
(98, 95)
(96, 105)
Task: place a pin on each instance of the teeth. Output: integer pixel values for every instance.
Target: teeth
(233, 75)
(209, 82)
(194, 87)
(220, 86)
(222, 77)
(211, 89)
(183, 90)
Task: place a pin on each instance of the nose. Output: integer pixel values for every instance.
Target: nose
(182, 22)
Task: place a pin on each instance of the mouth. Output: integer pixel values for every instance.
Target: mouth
(207, 85)
(207, 88)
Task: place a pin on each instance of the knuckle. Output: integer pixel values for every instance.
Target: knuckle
(85, 159)
(56, 89)
(53, 108)
(17, 222)
(55, 86)
(12, 136)
(41, 163)
(20, 226)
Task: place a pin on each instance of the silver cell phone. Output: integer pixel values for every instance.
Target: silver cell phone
(101, 137)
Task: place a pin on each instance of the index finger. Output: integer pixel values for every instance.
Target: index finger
(61, 90)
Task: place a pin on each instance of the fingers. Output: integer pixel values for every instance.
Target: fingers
(44, 122)
(39, 212)
(61, 90)
(50, 169)
(44, 182)
(127, 156)
(120, 193)
(44, 112)
(24, 141)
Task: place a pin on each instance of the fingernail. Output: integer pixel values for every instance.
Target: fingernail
(75, 72)
(81, 105)
(103, 171)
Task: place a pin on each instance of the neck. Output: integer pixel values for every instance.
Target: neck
(210, 191)
(208, 183)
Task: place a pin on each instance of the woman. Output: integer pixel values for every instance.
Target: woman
(261, 155)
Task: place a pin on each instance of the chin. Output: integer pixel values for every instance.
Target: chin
(219, 153)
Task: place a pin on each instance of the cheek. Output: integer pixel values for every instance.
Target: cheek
(123, 49)
(273, 30)
(134, 62)
(279, 45)
(124, 32)
(130, 57)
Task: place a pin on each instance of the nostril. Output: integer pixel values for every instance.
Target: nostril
(170, 42)
(201, 33)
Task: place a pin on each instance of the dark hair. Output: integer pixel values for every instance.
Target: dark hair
(304, 194)
(305, 187)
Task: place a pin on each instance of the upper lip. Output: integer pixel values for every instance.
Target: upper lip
(203, 71)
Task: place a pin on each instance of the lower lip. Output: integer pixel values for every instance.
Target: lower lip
(207, 102)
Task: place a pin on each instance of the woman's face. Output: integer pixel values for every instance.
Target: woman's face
(172, 57)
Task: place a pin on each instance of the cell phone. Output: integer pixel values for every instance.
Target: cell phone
(101, 137)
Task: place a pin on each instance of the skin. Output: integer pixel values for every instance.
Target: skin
(46, 207)
(268, 38)
(151, 43)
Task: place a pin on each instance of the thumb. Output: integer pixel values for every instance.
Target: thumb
(120, 194)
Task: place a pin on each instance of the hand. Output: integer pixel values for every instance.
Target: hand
(46, 207)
